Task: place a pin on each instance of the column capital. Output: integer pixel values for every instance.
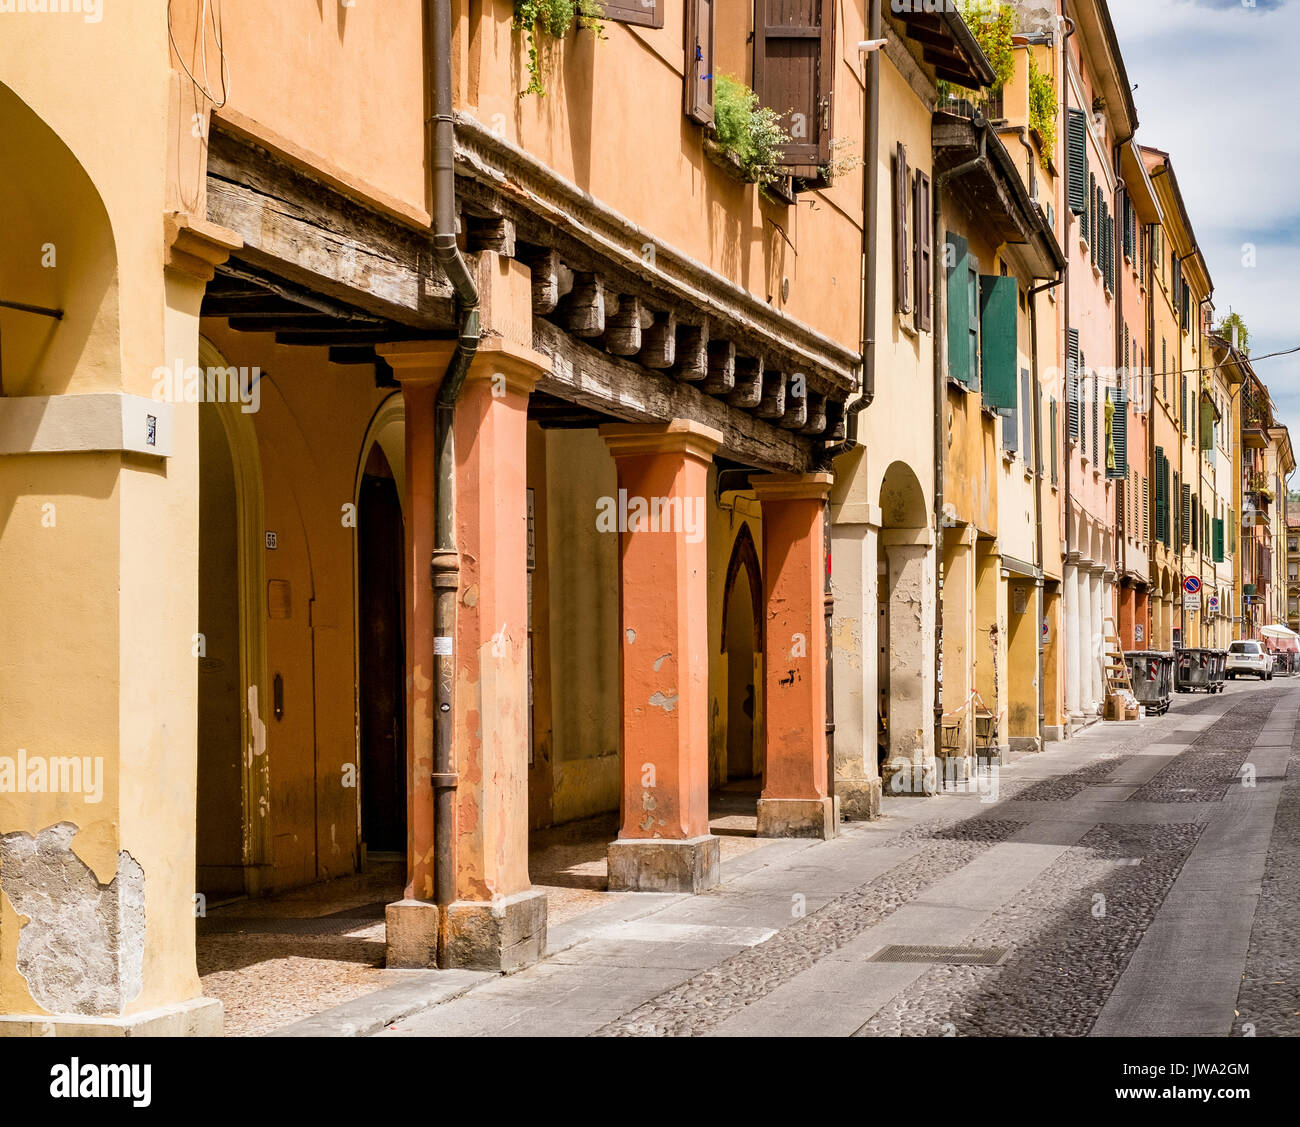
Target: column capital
(196, 247)
(792, 486)
(680, 436)
(512, 366)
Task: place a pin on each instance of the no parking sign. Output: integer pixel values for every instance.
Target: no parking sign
(1192, 593)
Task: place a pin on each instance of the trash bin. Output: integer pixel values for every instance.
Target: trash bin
(1219, 670)
(1152, 674)
(1195, 671)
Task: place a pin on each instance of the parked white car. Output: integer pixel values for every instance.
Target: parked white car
(1249, 658)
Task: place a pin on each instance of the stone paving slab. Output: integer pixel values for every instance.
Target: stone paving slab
(1205, 922)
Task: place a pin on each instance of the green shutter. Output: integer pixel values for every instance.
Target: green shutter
(1076, 142)
(998, 343)
(1187, 515)
(1118, 436)
(959, 353)
(1162, 498)
(1072, 382)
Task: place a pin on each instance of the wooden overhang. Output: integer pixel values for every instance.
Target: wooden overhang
(639, 330)
(300, 228)
(991, 188)
(946, 44)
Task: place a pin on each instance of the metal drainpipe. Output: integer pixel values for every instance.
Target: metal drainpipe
(870, 226)
(940, 336)
(445, 565)
(1040, 556)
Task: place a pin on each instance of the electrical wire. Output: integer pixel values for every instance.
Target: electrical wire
(217, 23)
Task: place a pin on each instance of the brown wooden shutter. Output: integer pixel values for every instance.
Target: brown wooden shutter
(646, 13)
(699, 60)
(902, 244)
(794, 68)
(922, 222)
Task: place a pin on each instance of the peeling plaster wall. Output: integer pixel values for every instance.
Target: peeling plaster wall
(80, 944)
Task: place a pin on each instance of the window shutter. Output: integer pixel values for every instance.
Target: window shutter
(959, 348)
(1029, 445)
(902, 244)
(1162, 502)
(1076, 140)
(1091, 233)
(998, 300)
(1187, 516)
(1146, 507)
(1232, 532)
(1072, 382)
(699, 60)
(646, 13)
(794, 67)
(1052, 420)
(923, 223)
(1096, 446)
(1119, 435)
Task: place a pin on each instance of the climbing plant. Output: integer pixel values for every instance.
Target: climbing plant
(1042, 109)
(553, 18)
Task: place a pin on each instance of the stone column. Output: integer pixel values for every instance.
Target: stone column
(664, 844)
(1069, 651)
(1099, 591)
(1087, 701)
(796, 799)
(854, 531)
(959, 631)
(496, 921)
(909, 558)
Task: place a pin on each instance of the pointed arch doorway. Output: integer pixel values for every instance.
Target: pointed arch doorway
(742, 642)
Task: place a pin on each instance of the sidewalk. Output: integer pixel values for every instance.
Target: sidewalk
(931, 871)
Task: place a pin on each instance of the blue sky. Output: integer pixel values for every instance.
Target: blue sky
(1216, 87)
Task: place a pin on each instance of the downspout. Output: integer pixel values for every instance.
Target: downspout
(1039, 555)
(445, 565)
(870, 228)
(1121, 521)
(940, 336)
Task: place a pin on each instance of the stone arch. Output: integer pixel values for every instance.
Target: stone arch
(241, 442)
(902, 500)
(61, 255)
(742, 645)
(744, 554)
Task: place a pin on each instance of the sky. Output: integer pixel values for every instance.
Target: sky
(1215, 86)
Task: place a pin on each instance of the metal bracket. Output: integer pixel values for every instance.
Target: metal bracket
(449, 780)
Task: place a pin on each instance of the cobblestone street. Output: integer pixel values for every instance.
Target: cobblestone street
(1137, 880)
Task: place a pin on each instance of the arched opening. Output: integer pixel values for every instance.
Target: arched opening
(220, 837)
(742, 642)
(381, 658)
(905, 629)
(232, 832)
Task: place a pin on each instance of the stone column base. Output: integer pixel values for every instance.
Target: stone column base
(661, 865)
(798, 817)
(1025, 745)
(412, 927)
(859, 799)
(506, 934)
(199, 1017)
(1055, 733)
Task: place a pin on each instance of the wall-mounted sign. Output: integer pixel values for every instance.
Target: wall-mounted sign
(272, 541)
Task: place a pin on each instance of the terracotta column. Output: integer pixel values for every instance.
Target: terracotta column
(796, 799)
(664, 844)
(496, 920)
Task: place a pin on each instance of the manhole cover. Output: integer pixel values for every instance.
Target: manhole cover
(959, 956)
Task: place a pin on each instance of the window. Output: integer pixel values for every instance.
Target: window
(1052, 422)
(698, 80)
(1293, 545)
(922, 222)
(794, 64)
(646, 13)
(1076, 141)
(998, 354)
(903, 252)
(963, 312)
(1072, 382)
